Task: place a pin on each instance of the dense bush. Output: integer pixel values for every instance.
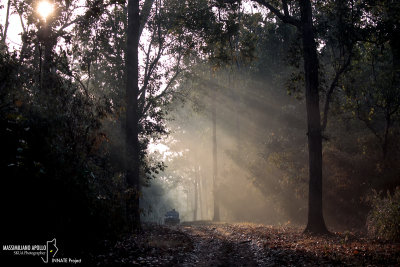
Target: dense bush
(384, 218)
(55, 179)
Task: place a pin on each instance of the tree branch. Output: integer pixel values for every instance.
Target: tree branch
(82, 84)
(169, 84)
(285, 8)
(147, 64)
(4, 34)
(22, 22)
(285, 17)
(331, 89)
(151, 69)
(144, 14)
(83, 17)
(369, 126)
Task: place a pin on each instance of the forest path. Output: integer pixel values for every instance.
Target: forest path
(244, 244)
(221, 245)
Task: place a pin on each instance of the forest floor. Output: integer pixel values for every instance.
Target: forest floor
(245, 244)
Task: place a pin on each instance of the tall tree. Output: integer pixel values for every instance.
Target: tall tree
(144, 101)
(196, 192)
(132, 118)
(215, 159)
(304, 24)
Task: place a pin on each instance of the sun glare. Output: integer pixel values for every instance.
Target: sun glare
(45, 9)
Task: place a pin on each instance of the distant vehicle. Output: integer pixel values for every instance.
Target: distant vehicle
(172, 217)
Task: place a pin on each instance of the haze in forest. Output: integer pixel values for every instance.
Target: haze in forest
(247, 112)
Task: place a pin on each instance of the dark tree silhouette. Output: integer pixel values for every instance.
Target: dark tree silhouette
(316, 223)
(132, 116)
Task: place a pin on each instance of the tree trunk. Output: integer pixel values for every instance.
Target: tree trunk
(196, 193)
(393, 10)
(237, 84)
(132, 119)
(4, 33)
(316, 223)
(47, 74)
(215, 161)
(48, 81)
(200, 193)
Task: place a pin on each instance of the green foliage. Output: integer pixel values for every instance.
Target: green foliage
(384, 218)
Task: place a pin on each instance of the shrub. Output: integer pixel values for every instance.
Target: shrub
(383, 220)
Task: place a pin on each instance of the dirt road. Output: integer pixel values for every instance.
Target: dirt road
(245, 244)
(221, 245)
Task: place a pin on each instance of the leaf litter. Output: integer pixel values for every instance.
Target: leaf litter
(245, 244)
